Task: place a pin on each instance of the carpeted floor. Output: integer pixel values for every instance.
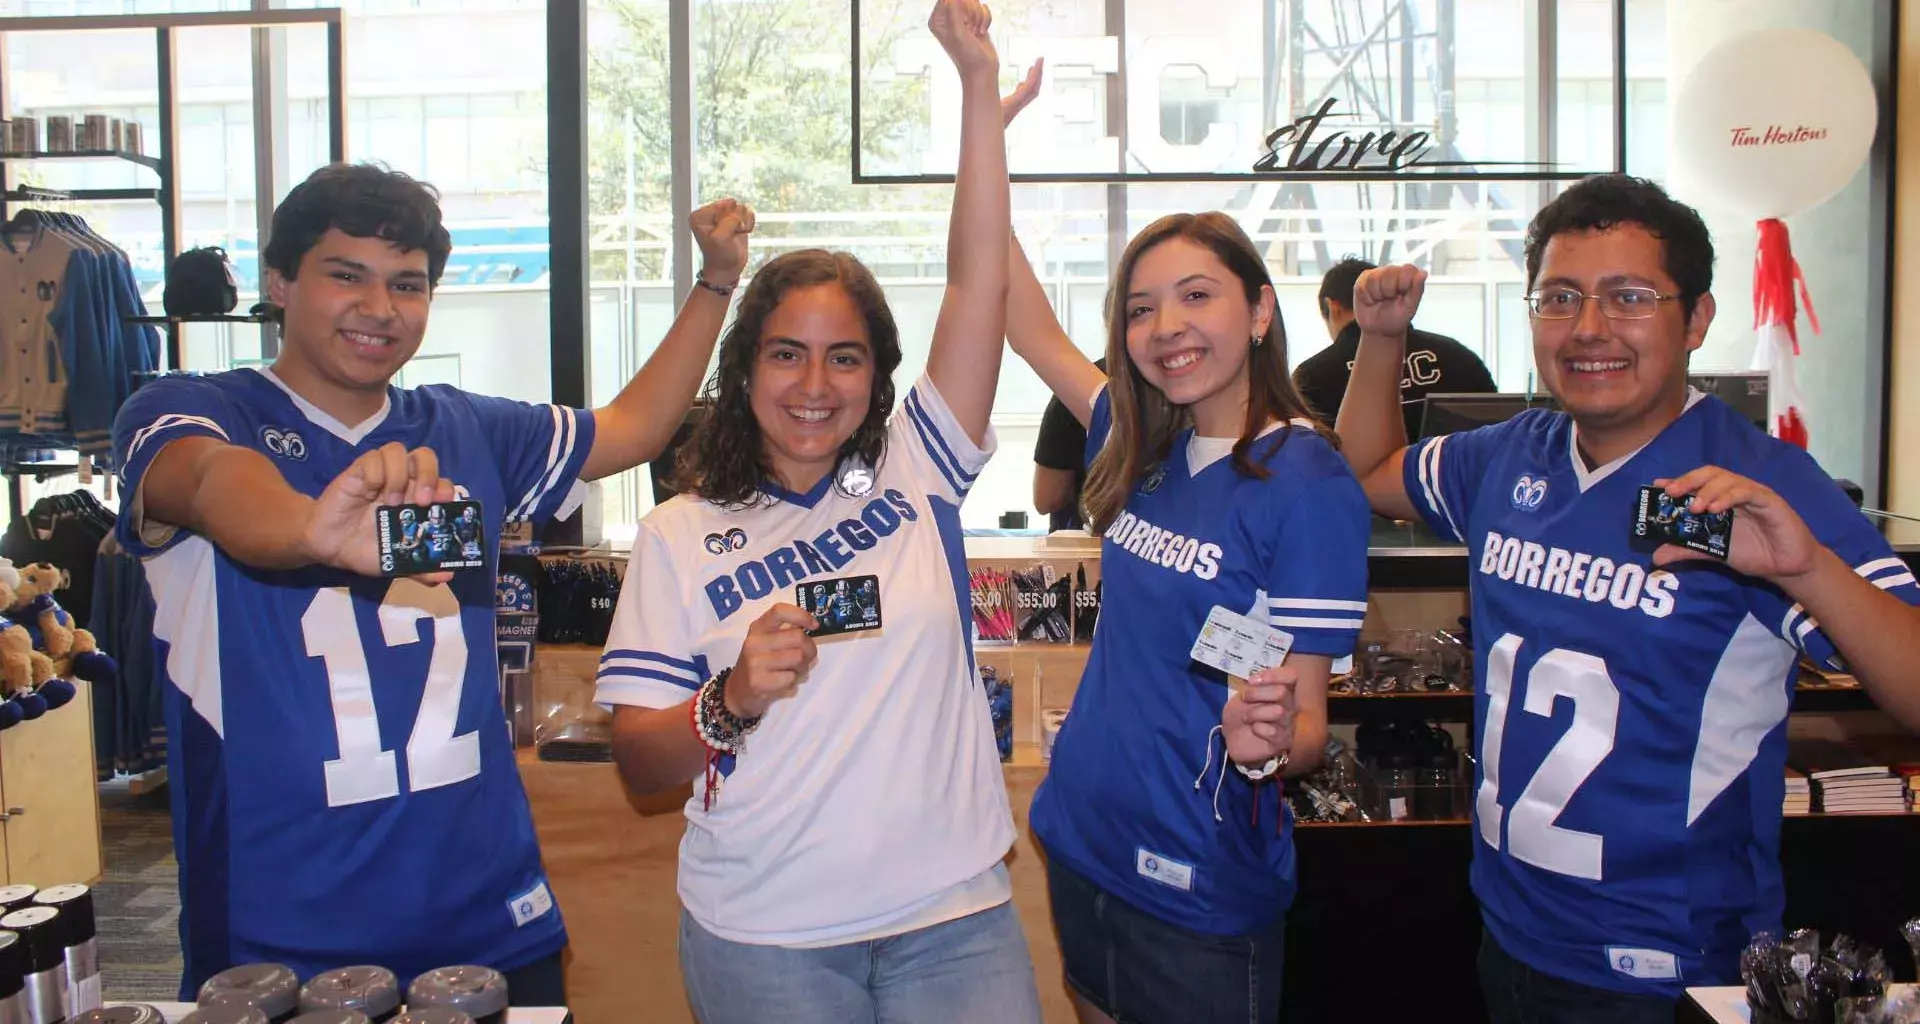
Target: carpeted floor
(137, 900)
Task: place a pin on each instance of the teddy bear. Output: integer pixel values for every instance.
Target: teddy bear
(26, 675)
(73, 651)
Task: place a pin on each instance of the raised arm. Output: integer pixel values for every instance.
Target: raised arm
(635, 427)
(1373, 432)
(1037, 337)
(964, 363)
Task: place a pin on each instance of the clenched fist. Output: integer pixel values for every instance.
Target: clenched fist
(721, 228)
(774, 659)
(961, 27)
(1385, 298)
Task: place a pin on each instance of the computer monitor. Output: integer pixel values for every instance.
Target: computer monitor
(1453, 412)
(1745, 390)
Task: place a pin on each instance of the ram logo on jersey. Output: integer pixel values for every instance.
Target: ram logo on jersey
(284, 443)
(1170, 550)
(1529, 492)
(1576, 574)
(721, 543)
(828, 552)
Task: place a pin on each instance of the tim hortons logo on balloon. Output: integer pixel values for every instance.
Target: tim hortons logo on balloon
(1778, 135)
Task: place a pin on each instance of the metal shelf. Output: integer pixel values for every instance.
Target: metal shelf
(203, 318)
(151, 163)
(81, 195)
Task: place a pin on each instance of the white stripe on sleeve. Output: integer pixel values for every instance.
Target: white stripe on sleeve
(168, 422)
(1307, 623)
(1311, 604)
(1430, 482)
(1869, 570)
(559, 451)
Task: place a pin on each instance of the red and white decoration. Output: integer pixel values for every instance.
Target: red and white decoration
(1774, 123)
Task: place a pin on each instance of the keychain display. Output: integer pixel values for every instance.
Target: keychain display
(1795, 980)
(1043, 603)
(993, 604)
(1086, 606)
(999, 691)
(576, 598)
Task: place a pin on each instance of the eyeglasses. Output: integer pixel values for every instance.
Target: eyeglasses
(1630, 303)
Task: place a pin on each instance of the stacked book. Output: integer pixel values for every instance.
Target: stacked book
(1847, 781)
(1799, 793)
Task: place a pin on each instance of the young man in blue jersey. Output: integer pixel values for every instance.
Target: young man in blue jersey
(343, 787)
(1632, 700)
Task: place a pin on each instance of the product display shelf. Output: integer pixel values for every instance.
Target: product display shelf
(49, 798)
(149, 162)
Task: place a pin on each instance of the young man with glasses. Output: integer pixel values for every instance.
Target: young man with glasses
(1630, 723)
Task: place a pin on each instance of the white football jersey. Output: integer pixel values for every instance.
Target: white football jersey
(876, 789)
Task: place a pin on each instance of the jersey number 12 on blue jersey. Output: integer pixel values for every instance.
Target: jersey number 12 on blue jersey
(435, 756)
(1532, 835)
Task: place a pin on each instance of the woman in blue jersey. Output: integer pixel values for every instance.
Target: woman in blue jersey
(1169, 852)
(843, 860)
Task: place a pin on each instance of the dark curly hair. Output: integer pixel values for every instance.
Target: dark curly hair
(362, 200)
(724, 461)
(1608, 200)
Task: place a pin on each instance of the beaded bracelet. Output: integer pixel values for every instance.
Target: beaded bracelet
(718, 727)
(722, 731)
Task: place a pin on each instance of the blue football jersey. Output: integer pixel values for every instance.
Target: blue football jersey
(1630, 721)
(1129, 799)
(344, 788)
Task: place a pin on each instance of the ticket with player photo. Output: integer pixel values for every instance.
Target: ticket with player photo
(1660, 517)
(1238, 645)
(441, 537)
(846, 604)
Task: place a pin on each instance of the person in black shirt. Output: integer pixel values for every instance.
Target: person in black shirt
(1060, 462)
(1435, 362)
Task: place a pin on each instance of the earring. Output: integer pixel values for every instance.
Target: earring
(1256, 341)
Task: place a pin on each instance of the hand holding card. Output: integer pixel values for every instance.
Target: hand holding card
(1766, 537)
(774, 659)
(339, 529)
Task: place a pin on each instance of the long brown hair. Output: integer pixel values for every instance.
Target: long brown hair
(725, 460)
(1144, 421)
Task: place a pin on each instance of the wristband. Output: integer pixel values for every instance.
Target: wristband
(724, 291)
(1265, 771)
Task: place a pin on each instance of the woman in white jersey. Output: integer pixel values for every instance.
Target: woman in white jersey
(844, 845)
(1169, 850)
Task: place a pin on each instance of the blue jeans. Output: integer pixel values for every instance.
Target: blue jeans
(1138, 969)
(972, 969)
(1518, 994)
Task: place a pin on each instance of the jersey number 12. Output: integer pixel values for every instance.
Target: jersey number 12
(1531, 833)
(435, 756)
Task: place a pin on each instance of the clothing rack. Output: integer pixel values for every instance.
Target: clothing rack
(41, 472)
(166, 29)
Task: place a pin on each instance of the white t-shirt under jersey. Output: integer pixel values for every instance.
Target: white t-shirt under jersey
(872, 799)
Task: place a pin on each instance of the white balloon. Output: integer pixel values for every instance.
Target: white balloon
(1774, 122)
